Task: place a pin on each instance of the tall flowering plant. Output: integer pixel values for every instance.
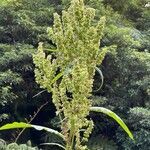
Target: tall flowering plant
(69, 70)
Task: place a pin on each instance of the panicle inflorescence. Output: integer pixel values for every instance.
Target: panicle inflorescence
(77, 41)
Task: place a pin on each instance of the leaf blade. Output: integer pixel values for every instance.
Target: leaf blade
(15, 125)
(102, 78)
(115, 117)
(53, 144)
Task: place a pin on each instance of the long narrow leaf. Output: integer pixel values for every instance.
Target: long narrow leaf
(102, 79)
(38, 93)
(37, 127)
(115, 117)
(57, 77)
(65, 72)
(15, 125)
(53, 144)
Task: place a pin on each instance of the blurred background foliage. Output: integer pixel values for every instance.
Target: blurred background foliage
(126, 70)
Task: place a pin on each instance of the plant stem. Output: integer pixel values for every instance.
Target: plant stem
(30, 120)
(70, 143)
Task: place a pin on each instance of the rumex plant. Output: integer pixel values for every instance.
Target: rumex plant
(68, 72)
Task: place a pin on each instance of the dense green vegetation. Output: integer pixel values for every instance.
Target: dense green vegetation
(126, 69)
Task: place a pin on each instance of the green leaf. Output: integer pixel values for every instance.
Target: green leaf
(57, 77)
(37, 127)
(115, 117)
(102, 79)
(65, 72)
(15, 125)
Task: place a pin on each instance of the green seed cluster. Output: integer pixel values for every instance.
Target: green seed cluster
(77, 41)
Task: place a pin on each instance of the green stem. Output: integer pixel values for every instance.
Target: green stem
(70, 143)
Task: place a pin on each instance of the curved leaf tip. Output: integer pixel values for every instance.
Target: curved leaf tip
(115, 117)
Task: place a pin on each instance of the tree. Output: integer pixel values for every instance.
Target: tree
(23, 24)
